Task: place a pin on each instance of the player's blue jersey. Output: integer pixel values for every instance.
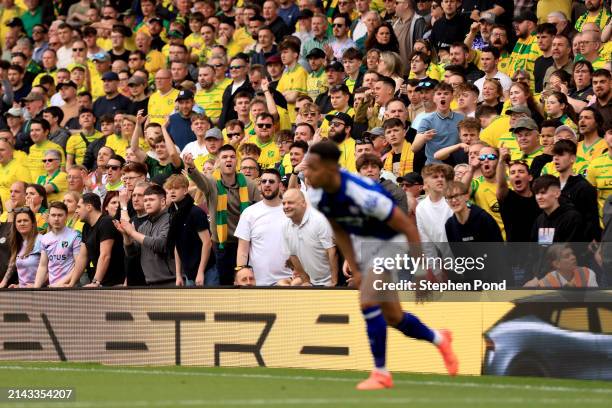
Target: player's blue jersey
(361, 206)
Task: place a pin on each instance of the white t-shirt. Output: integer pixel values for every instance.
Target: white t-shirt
(310, 241)
(64, 56)
(195, 149)
(431, 219)
(259, 224)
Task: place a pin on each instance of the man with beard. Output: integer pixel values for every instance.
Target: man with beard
(591, 146)
(259, 230)
(526, 49)
(602, 87)
(210, 93)
(189, 235)
(546, 33)
(483, 190)
(596, 13)
(340, 125)
(236, 193)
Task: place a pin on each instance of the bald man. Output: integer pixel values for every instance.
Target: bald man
(162, 101)
(11, 170)
(308, 241)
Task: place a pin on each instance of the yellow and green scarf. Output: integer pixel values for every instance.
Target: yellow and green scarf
(221, 218)
(406, 160)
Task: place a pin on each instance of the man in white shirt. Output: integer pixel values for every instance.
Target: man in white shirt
(308, 241)
(489, 57)
(260, 233)
(432, 213)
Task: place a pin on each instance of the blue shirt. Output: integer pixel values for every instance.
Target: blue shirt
(180, 130)
(289, 15)
(447, 133)
(361, 206)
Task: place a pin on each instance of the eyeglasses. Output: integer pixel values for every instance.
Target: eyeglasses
(78, 49)
(268, 181)
(264, 125)
(338, 25)
(454, 196)
(489, 156)
(230, 135)
(236, 66)
(133, 85)
(114, 167)
(407, 185)
(336, 124)
(309, 114)
(48, 160)
(218, 65)
(134, 59)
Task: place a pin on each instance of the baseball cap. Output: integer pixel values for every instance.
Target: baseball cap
(101, 56)
(33, 96)
(427, 84)
(184, 94)
(488, 17)
(335, 66)
(176, 34)
(14, 22)
(315, 53)
(526, 15)
(110, 76)
(374, 133)
(136, 80)
(305, 14)
(524, 123)
(412, 178)
(518, 109)
(274, 59)
(156, 20)
(565, 127)
(63, 84)
(14, 112)
(213, 133)
(341, 116)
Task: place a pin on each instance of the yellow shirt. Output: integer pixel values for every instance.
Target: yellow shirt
(37, 153)
(579, 167)
(593, 151)
(240, 40)
(293, 79)
(162, 106)
(270, 154)
(211, 100)
(491, 134)
(347, 155)
(155, 61)
(104, 43)
(514, 155)
(59, 180)
(6, 15)
(9, 173)
(316, 83)
(118, 144)
(200, 160)
(194, 40)
(42, 74)
(523, 56)
(76, 146)
(599, 174)
(484, 194)
(20, 156)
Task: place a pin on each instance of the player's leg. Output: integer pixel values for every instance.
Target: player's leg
(376, 329)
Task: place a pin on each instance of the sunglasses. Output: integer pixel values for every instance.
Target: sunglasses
(78, 49)
(268, 181)
(310, 114)
(489, 156)
(48, 160)
(454, 196)
(230, 135)
(236, 66)
(113, 167)
(338, 25)
(336, 124)
(218, 65)
(21, 210)
(133, 59)
(363, 141)
(264, 125)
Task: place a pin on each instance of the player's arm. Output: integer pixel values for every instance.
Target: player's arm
(42, 271)
(79, 266)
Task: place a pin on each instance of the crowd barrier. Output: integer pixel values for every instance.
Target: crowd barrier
(303, 328)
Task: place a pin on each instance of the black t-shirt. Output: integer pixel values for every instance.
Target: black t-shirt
(123, 57)
(540, 66)
(103, 105)
(519, 214)
(188, 243)
(93, 236)
(138, 105)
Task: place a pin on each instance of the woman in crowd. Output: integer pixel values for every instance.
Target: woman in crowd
(36, 199)
(110, 206)
(558, 108)
(383, 39)
(520, 95)
(71, 199)
(391, 65)
(25, 249)
(492, 94)
(372, 58)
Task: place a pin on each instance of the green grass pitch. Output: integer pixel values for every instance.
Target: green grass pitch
(112, 386)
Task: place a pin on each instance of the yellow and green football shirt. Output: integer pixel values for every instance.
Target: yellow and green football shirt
(162, 106)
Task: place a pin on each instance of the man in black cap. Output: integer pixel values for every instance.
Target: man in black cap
(138, 91)
(179, 123)
(340, 125)
(316, 83)
(305, 19)
(112, 100)
(526, 49)
(335, 76)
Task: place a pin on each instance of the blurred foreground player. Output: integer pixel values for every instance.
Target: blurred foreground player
(367, 224)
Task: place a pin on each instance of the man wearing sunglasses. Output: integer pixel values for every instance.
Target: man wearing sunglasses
(483, 190)
(264, 139)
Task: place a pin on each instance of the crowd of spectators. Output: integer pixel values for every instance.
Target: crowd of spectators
(161, 143)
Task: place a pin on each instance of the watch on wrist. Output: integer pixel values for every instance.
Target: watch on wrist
(239, 267)
(124, 208)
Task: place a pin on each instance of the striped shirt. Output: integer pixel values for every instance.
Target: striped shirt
(523, 56)
(599, 174)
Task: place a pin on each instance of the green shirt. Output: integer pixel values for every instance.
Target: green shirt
(158, 169)
(29, 20)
